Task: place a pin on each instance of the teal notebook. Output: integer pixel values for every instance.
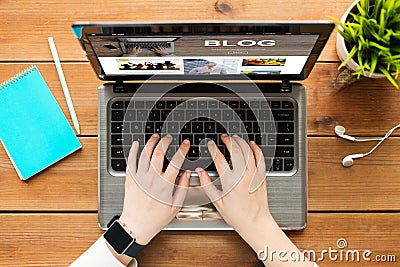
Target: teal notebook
(33, 129)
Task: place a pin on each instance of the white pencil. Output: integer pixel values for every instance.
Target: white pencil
(64, 84)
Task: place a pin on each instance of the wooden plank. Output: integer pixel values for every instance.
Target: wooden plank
(371, 184)
(368, 107)
(71, 184)
(24, 37)
(58, 239)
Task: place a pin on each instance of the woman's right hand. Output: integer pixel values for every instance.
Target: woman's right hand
(243, 200)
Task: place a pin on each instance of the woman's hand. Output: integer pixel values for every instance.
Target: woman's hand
(150, 201)
(243, 199)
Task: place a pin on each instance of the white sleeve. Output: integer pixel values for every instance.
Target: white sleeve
(315, 265)
(99, 255)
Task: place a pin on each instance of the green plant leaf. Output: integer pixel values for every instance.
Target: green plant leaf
(389, 77)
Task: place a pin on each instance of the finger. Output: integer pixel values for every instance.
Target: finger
(132, 158)
(219, 159)
(259, 178)
(181, 190)
(246, 152)
(176, 162)
(234, 150)
(147, 151)
(209, 188)
(157, 158)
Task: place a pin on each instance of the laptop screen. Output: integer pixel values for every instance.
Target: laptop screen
(206, 50)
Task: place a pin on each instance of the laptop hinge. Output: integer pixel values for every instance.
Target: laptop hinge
(119, 86)
(286, 86)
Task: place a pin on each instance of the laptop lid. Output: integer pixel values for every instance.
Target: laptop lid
(261, 50)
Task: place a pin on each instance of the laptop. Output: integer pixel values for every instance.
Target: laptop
(212, 78)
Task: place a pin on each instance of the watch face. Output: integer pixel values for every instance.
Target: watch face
(118, 238)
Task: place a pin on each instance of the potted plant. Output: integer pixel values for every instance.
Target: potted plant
(368, 42)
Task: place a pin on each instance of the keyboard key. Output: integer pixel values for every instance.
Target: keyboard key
(202, 104)
(275, 104)
(197, 127)
(227, 115)
(234, 127)
(212, 104)
(287, 104)
(269, 127)
(250, 115)
(234, 104)
(130, 115)
(155, 115)
(272, 139)
(117, 115)
(141, 115)
(267, 151)
(209, 127)
(243, 104)
(160, 104)
(198, 138)
(136, 127)
(283, 115)
(215, 115)
(254, 104)
(116, 127)
(204, 114)
(285, 139)
(171, 104)
(138, 137)
(178, 115)
(193, 152)
(127, 139)
(117, 105)
(288, 164)
(117, 152)
(191, 104)
(116, 139)
(284, 152)
(139, 105)
(172, 127)
(191, 114)
(158, 127)
(264, 115)
(187, 128)
(241, 113)
(118, 164)
(164, 114)
(277, 165)
(285, 127)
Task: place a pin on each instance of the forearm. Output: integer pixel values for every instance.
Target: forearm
(277, 249)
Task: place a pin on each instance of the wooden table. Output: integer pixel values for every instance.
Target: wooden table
(51, 219)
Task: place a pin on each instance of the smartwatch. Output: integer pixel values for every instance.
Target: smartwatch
(121, 240)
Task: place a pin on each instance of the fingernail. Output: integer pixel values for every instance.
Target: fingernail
(211, 142)
(154, 135)
(224, 135)
(168, 136)
(235, 135)
(188, 173)
(199, 171)
(186, 141)
(252, 142)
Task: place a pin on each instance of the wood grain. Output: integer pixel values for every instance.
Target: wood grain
(58, 239)
(24, 36)
(368, 107)
(371, 184)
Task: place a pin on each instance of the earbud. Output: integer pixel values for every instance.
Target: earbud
(340, 130)
(349, 160)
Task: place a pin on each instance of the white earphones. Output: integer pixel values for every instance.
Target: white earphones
(349, 160)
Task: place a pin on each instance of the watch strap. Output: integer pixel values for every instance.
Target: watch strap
(133, 250)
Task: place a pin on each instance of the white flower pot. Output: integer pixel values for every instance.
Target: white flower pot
(342, 51)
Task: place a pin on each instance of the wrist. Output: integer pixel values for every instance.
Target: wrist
(140, 235)
(124, 259)
(258, 232)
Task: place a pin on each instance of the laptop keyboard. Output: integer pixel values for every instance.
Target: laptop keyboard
(203, 120)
